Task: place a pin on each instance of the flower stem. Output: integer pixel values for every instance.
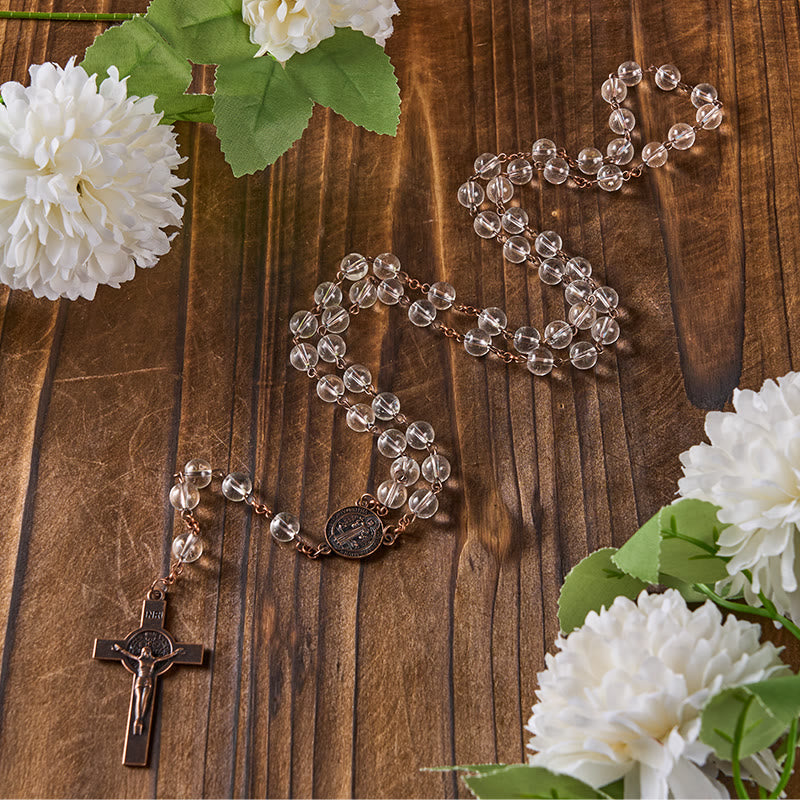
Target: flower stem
(785, 621)
(77, 16)
(788, 764)
(737, 742)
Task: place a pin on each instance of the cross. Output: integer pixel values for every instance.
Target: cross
(147, 652)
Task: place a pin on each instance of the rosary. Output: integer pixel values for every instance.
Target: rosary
(359, 530)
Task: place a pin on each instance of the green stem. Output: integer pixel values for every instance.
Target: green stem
(69, 16)
(785, 621)
(737, 742)
(788, 764)
(670, 534)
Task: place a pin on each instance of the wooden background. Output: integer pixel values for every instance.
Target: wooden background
(342, 679)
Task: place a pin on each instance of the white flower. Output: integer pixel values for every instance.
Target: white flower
(86, 183)
(372, 17)
(623, 696)
(286, 27)
(751, 470)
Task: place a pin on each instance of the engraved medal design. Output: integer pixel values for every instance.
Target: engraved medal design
(354, 532)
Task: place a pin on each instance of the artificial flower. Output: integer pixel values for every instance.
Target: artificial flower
(622, 697)
(371, 17)
(285, 27)
(751, 470)
(86, 183)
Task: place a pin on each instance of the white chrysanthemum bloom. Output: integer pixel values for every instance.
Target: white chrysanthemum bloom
(285, 27)
(86, 183)
(371, 17)
(751, 470)
(622, 698)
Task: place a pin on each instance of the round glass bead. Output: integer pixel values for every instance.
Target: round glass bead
(470, 194)
(360, 417)
(613, 89)
(606, 297)
(335, 319)
(605, 330)
(422, 313)
(609, 177)
(583, 355)
(556, 170)
(435, 468)
(486, 224)
(284, 526)
(709, 116)
(492, 320)
(551, 271)
(354, 266)
(357, 377)
(682, 135)
(198, 472)
(621, 120)
(630, 73)
(236, 486)
(540, 361)
(620, 151)
(500, 189)
(442, 295)
(514, 220)
(330, 388)
(543, 149)
(423, 503)
(303, 324)
(386, 266)
(390, 291)
(392, 494)
(668, 77)
(386, 405)
(184, 496)
(327, 294)
(519, 171)
(391, 443)
(578, 291)
(405, 470)
(331, 348)
(558, 334)
(590, 159)
(702, 94)
(654, 154)
(547, 244)
(526, 339)
(582, 315)
(487, 165)
(516, 249)
(476, 342)
(419, 434)
(187, 547)
(363, 294)
(303, 357)
(578, 267)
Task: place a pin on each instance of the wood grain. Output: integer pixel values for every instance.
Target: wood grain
(342, 679)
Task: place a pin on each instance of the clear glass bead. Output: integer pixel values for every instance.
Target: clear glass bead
(682, 135)
(578, 291)
(709, 116)
(548, 243)
(419, 434)
(284, 526)
(330, 388)
(357, 377)
(703, 94)
(543, 149)
(500, 189)
(621, 120)
(540, 361)
(236, 486)
(354, 266)
(405, 470)
(187, 547)
(613, 89)
(556, 170)
(327, 294)
(492, 320)
(470, 194)
(486, 224)
(605, 330)
(476, 342)
(514, 220)
(184, 496)
(331, 347)
(654, 154)
(386, 405)
(304, 357)
(583, 355)
(392, 494)
(668, 76)
(630, 73)
(551, 271)
(442, 295)
(303, 324)
(558, 334)
(519, 171)
(391, 443)
(422, 313)
(363, 293)
(435, 468)
(578, 268)
(360, 417)
(606, 297)
(198, 472)
(609, 177)
(620, 151)
(386, 266)
(390, 291)
(487, 165)
(423, 503)
(582, 315)
(526, 339)
(335, 319)
(516, 249)
(590, 159)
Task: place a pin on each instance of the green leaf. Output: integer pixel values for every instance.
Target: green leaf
(615, 790)
(259, 112)
(687, 590)
(593, 583)
(521, 780)
(188, 108)
(639, 556)
(351, 73)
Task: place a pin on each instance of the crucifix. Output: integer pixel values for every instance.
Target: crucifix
(147, 652)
